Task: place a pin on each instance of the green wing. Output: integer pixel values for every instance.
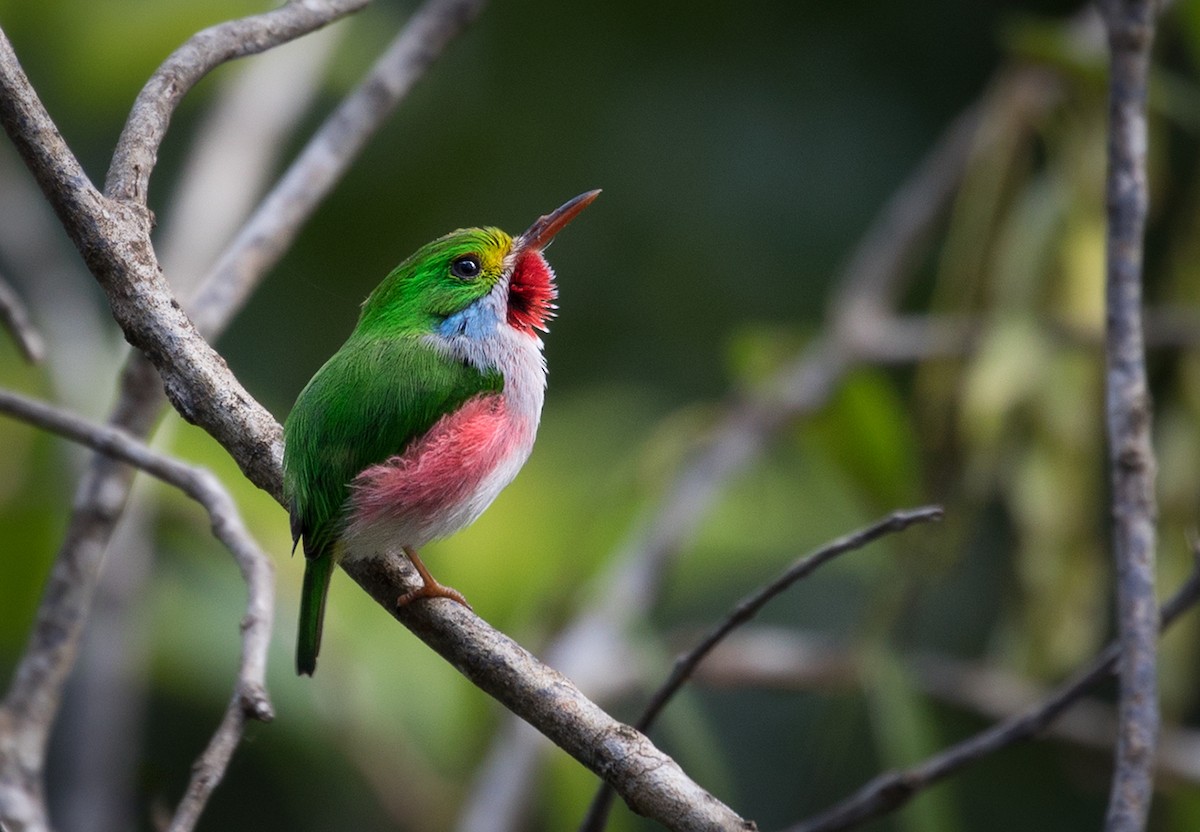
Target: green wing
(370, 400)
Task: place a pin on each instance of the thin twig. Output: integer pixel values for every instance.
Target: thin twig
(325, 158)
(891, 790)
(749, 606)
(782, 659)
(1131, 455)
(137, 148)
(33, 698)
(15, 318)
(597, 815)
(235, 152)
(250, 700)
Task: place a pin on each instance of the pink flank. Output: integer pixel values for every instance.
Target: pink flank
(441, 472)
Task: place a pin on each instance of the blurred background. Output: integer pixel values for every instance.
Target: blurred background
(744, 151)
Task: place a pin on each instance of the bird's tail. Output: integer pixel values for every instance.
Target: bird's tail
(317, 572)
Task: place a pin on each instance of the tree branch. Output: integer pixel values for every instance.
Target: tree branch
(250, 700)
(137, 148)
(650, 782)
(745, 609)
(113, 237)
(1131, 455)
(15, 318)
(32, 701)
(893, 789)
(325, 158)
(779, 659)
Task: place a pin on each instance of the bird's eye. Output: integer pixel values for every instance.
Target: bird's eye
(465, 267)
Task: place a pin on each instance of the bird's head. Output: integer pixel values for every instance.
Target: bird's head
(473, 280)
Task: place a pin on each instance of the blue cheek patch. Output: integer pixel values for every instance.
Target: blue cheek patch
(477, 321)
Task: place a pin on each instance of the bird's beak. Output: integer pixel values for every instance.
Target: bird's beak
(538, 235)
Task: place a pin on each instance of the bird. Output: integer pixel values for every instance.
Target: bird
(426, 412)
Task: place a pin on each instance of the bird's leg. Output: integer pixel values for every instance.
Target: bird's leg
(430, 587)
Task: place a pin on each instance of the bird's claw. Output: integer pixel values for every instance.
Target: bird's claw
(434, 591)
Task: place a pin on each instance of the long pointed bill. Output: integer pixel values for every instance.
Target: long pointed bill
(538, 235)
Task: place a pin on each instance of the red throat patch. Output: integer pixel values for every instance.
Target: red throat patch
(531, 293)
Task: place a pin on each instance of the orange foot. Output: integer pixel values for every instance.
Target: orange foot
(430, 587)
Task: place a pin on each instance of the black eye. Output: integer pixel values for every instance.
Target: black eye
(465, 267)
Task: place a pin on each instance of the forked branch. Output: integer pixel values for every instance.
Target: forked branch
(249, 700)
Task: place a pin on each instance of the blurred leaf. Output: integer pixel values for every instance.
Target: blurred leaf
(868, 433)
(905, 733)
(1004, 372)
(1080, 293)
(1072, 44)
(756, 353)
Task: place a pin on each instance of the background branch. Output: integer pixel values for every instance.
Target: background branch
(15, 318)
(775, 658)
(137, 148)
(250, 699)
(325, 158)
(1131, 455)
(742, 612)
(892, 790)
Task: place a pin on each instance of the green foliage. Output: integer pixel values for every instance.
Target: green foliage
(907, 733)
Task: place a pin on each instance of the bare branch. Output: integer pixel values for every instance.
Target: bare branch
(1131, 455)
(15, 318)
(650, 782)
(749, 606)
(774, 658)
(1090, 722)
(234, 154)
(137, 148)
(99, 730)
(893, 789)
(250, 699)
(324, 160)
(871, 282)
(113, 238)
(745, 609)
(33, 698)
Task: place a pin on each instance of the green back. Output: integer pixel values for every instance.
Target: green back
(369, 401)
